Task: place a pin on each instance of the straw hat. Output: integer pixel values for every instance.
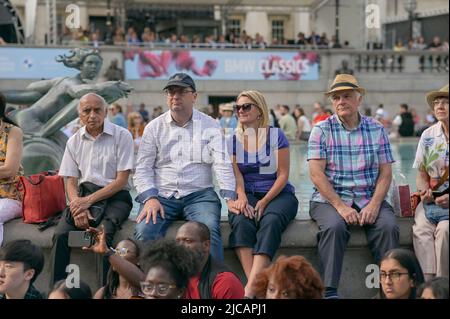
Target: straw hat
(345, 82)
(434, 94)
(227, 107)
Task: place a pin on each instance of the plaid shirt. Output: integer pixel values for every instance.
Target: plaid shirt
(353, 157)
(32, 293)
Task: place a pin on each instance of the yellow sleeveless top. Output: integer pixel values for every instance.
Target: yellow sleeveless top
(9, 187)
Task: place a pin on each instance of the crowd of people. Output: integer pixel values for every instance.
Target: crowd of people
(350, 164)
(149, 38)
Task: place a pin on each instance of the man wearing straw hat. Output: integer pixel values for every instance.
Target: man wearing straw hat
(228, 121)
(350, 162)
(430, 230)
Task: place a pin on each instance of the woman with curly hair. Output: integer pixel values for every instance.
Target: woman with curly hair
(168, 266)
(289, 278)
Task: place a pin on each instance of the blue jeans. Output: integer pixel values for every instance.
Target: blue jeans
(203, 206)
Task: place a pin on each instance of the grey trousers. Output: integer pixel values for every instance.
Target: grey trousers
(333, 237)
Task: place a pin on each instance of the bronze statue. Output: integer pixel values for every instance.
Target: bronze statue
(53, 104)
(344, 69)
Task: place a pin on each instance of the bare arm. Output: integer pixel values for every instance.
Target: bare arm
(72, 188)
(112, 188)
(132, 273)
(422, 180)
(326, 190)
(283, 163)
(423, 186)
(100, 293)
(240, 187)
(241, 203)
(370, 212)
(13, 154)
(382, 185)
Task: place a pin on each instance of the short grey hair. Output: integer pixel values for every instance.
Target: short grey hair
(99, 97)
(357, 93)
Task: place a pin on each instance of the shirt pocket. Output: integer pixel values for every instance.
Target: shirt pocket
(110, 170)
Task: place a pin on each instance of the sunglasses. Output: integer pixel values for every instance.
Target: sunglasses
(245, 107)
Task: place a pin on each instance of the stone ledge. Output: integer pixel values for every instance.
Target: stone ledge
(300, 233)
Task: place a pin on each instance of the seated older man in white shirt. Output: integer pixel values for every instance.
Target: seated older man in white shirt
(96, 163)
(173, 177)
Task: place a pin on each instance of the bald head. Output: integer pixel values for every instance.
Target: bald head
(195, 229)
(195, 236)
(92, 112)
(92, 98)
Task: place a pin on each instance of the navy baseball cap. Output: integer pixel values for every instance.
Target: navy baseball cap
(180, 79)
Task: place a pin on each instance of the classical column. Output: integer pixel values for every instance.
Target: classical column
(301, 18)
(257, 22)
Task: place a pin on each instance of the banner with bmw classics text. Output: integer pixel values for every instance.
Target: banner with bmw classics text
(32, 63)
(221, 65)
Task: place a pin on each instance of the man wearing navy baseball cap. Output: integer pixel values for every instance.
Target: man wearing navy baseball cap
(173, 177)
(181, 79)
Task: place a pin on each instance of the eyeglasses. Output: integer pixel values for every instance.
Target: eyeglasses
(172, 92)
(122, 252)
(394, 276)
(245, 107)
(161, 289)
(439, 102)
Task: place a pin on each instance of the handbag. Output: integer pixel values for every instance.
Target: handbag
(399, 197)
(43, 196)
(435, 213)
(97, 210)
(415, 197)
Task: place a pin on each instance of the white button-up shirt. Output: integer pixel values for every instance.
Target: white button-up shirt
(178, 161)
(97, 160)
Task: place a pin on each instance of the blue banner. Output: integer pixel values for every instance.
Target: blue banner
(222, 65)
(29, 63)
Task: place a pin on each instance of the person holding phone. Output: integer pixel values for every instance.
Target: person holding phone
(430, 229)
(97, 162)
(266, 201)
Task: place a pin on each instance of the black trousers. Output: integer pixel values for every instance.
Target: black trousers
(264, 238)
(117, 210)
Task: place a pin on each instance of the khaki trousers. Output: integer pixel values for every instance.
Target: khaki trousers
(431, 244)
